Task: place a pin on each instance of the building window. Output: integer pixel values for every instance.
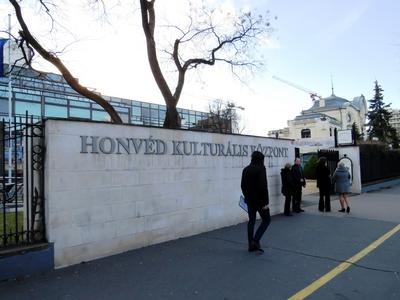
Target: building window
(79, 113)
(54, 100)
(305, 133)
(162, 114)
(145, 112)
(136, 111)
(79, 103)
(100, 115)
(330, 131)
(349, 118)
(154, 113)
(3, 106)
(57, 111)
(32, 108)
(30, 97)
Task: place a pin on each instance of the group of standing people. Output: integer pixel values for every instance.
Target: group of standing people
(293, 181)
(255, 190)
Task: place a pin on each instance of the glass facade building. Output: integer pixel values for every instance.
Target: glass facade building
(48, 95)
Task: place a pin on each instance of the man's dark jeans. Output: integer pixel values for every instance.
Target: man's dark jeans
(324, 200)
(288, 199)
(265, 220)
(297, 198)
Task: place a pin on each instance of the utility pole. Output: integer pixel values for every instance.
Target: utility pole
(9, 102)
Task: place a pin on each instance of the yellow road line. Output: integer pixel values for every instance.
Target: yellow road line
(307, 291)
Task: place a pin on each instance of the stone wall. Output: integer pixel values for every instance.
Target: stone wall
(112, 188)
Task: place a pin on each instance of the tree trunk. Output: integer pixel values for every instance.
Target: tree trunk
(172, 118)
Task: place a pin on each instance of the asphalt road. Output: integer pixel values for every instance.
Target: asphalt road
(216, 265)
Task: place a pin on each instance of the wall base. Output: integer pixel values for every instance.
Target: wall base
(26, 261)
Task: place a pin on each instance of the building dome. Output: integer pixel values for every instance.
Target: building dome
(330, 102)
(335, 101)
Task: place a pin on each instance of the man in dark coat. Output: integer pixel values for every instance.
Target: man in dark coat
(255, 190)
(324, 185)
(298, 183)
(287, 188)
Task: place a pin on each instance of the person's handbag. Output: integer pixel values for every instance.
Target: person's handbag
(243, 204)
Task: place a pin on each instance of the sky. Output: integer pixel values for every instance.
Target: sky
(314, 43)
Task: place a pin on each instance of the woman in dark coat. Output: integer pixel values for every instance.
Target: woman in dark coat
(341, 177)
(287, 188)
(324, 185)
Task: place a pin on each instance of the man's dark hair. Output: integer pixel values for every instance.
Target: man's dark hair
(322, 160)
(257, 157)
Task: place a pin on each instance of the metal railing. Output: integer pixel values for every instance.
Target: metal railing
(378, 163)
(22, 182)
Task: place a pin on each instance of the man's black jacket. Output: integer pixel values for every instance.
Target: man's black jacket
(254, 183)
(323, 177)
(298, 176)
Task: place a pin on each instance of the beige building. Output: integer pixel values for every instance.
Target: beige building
(395, 120)
(315, 126)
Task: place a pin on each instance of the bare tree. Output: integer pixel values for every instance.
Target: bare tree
(224, 117)
(231, 44)
(27, 39)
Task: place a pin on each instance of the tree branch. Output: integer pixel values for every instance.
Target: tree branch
(31, 41)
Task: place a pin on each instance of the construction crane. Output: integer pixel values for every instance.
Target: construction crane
(313, 95)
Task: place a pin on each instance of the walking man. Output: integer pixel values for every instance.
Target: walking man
(298, 183)
(255, 190)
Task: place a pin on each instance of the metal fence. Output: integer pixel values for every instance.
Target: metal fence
(332, 158)
(378, 163)
(22, 182)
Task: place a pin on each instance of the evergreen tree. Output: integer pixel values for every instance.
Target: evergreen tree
(310, 167)
(357, 135)
(394, 138)
(378, 116)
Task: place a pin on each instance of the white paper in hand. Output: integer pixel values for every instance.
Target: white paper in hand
(243, 204)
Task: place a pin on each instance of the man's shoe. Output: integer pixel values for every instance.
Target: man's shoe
(288, 215)
(258, 246)
(301, 210)
(328, 210)
(253, 246)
